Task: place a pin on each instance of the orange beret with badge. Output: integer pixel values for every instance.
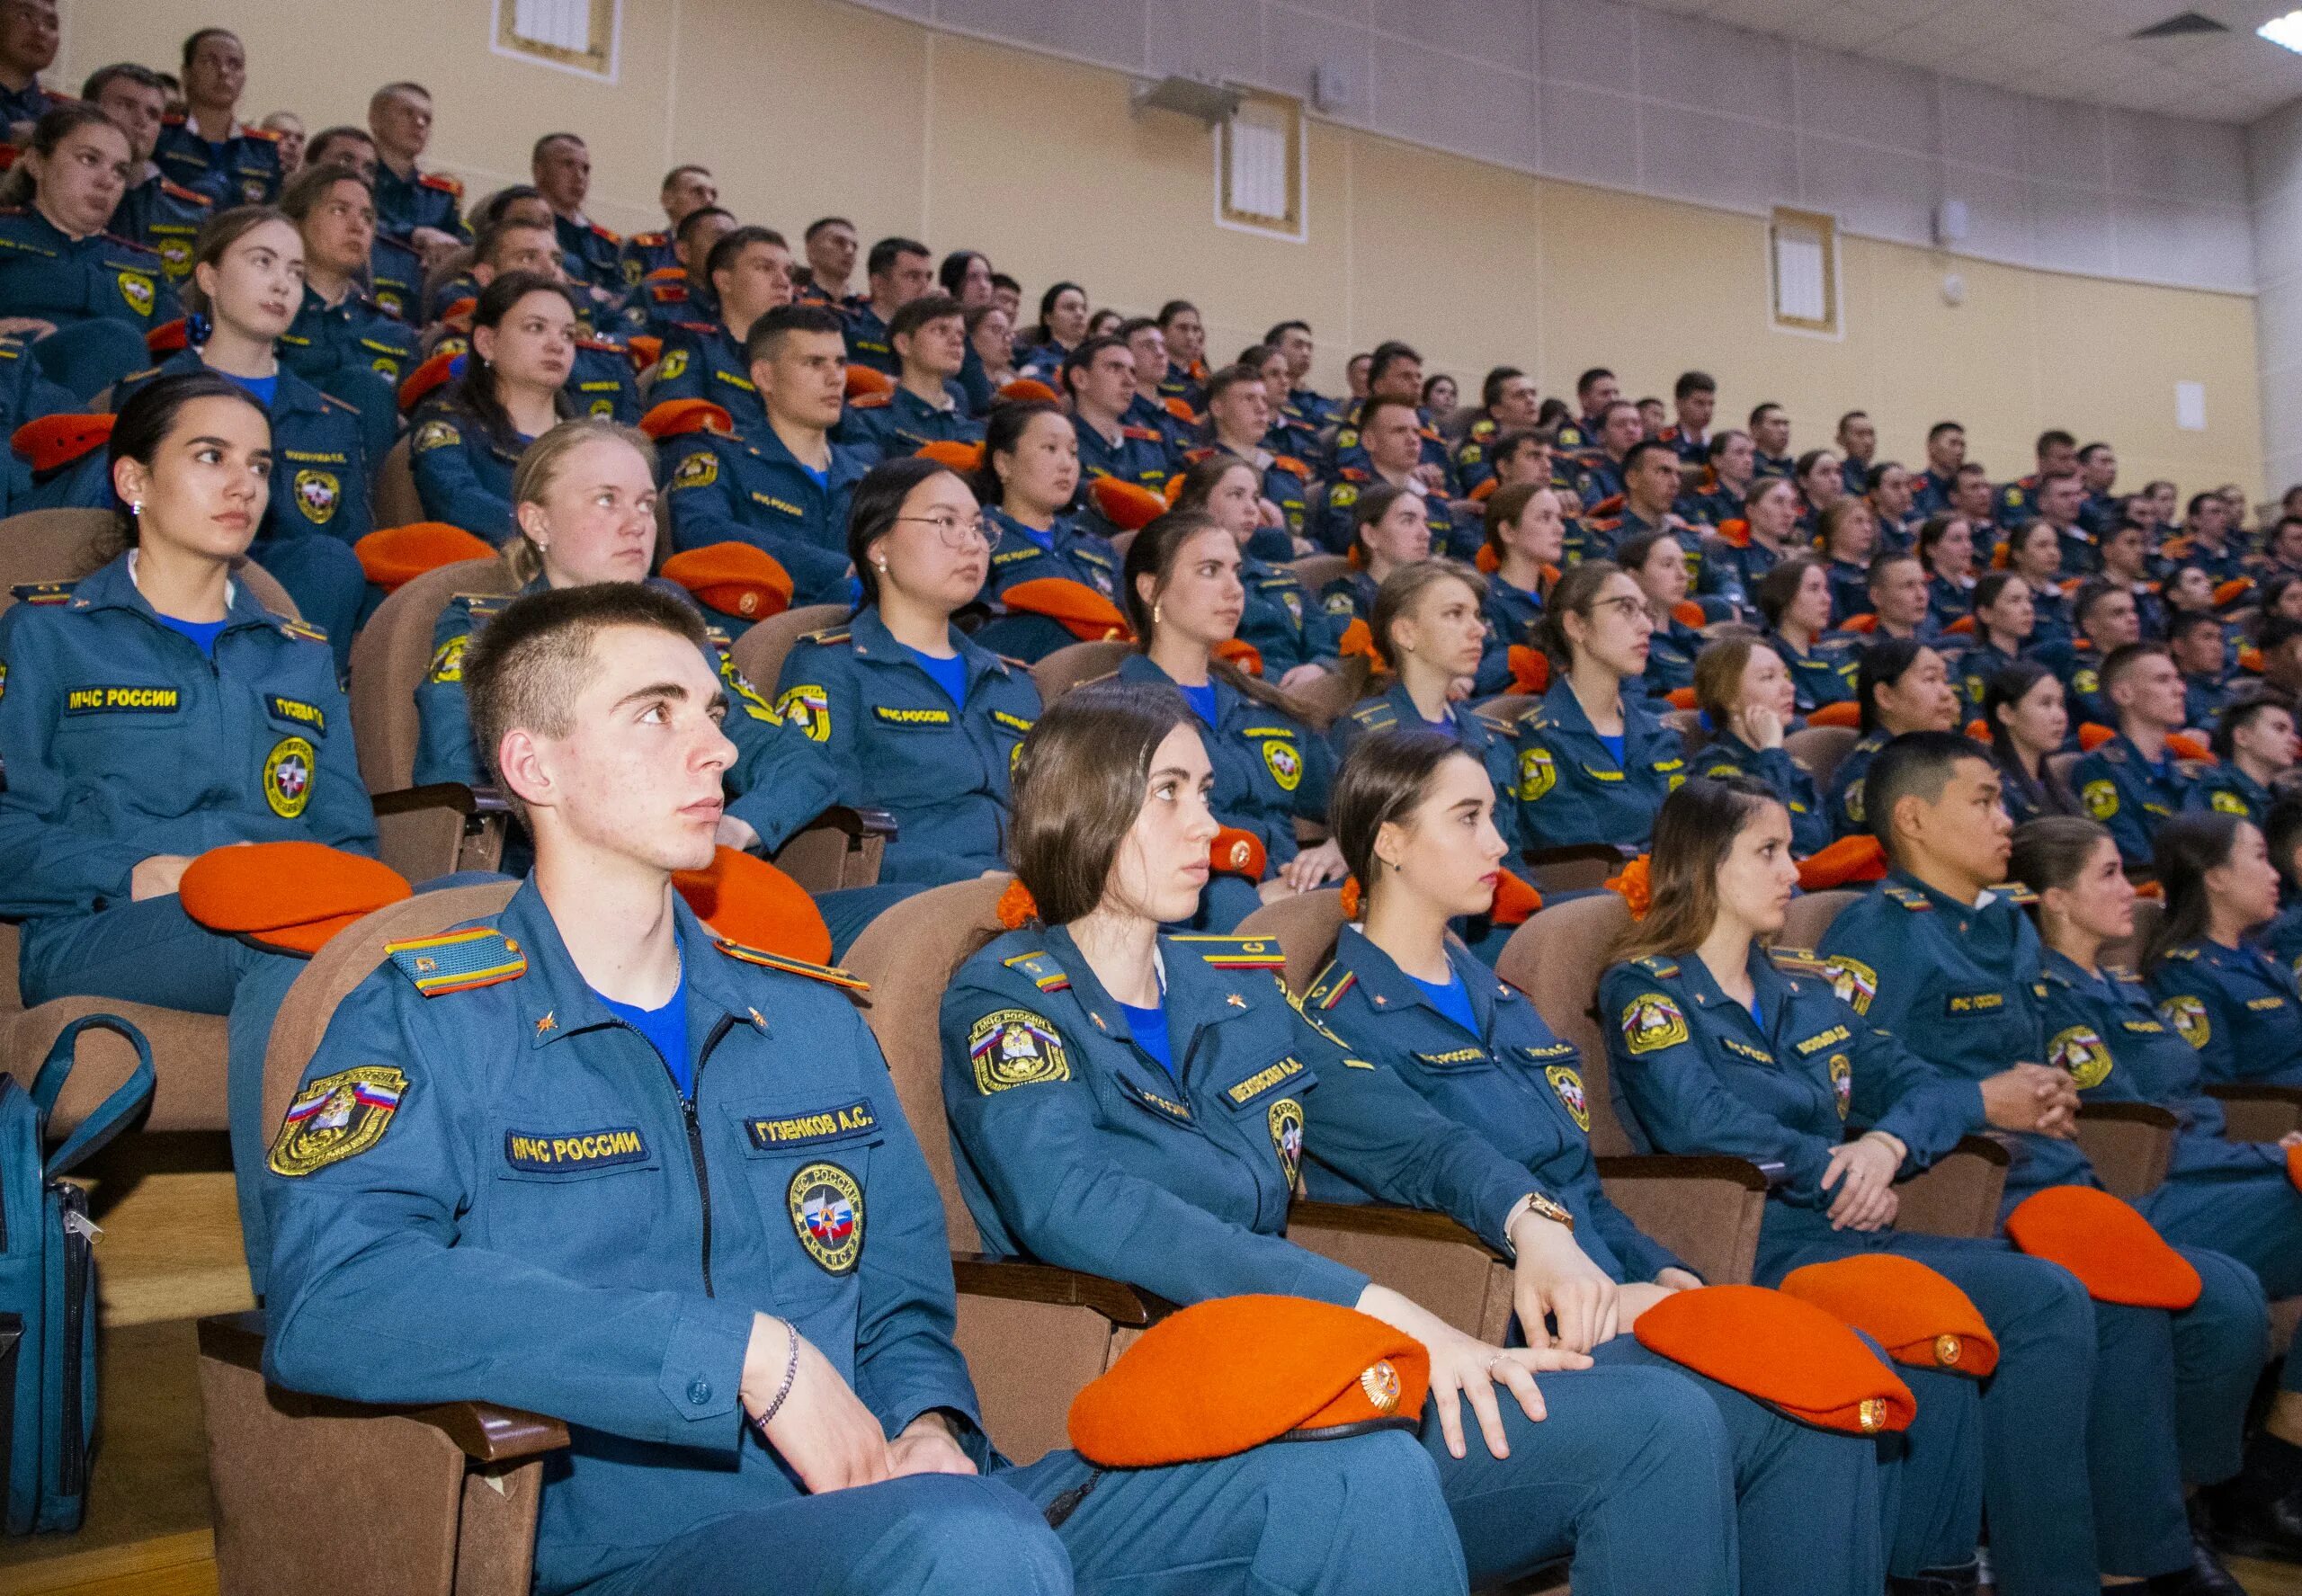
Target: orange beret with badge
(1127, 505)
(1801, 1361)
(748, 900)
(964, 458)
(426, 376)
(736, 579)
(1849, 859)
(289, 897)
(1029, 390)
(54, 441)
(1226, 1375)
(2115, 1253)
(673, 418)
(1240, 655)
(869, 382)
(393, 557)
(1081, 612)
(1235, 852)
(1920, 1317)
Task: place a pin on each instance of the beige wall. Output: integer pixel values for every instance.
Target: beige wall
(808, 106)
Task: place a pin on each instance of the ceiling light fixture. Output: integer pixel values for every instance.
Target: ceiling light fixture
(2285, 31)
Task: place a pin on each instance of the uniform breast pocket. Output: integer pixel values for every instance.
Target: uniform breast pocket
(809, 1175)
(575, 1195)
(1268, 1100)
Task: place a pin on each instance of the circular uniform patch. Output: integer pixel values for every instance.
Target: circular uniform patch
(674, 361)
(1286, 1121)
(808, 708)
(1652, 1022)
(1536, 774)
(828, 1216)
(2079, 1053)
(1842, 1070)
(2227, 802)
(2101, 797)
(318, 493)
(1286, 764)
(2186, 1015)
(135, 287)
(2086, 681)
(287, 777)
(1568, 1085)
(175, 254)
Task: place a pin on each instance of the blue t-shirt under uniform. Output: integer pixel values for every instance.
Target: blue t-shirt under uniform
(950, 674)
(1202, 701)
(1451, 998)
(1149, 1028)
(202, 632)
(264, 389)
(665, 1030)
(1613, 745)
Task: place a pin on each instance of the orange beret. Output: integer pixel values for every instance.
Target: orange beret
(2111, 1249)
(645, 349)
(2001, 558)
(959, 456)
(2092, 735)
(734, 579)
(2232, 590)
(1964, 627)
(1849, 859)
(167, 338)
(1231, 1373)
(1024, 388)
(2184, 745)
(1530, 668)
(1846, 713)
(55, 442)
(291, 897)
(1173, 490)
(395, 556)
(2249, 658)
(1514, 900)
(1920, 1317)
(1864, 622)
(675, 418)
(867, 381)
(1125, 505)
(748, 900)
(1085, 613)
(1786, 1353)
(1482, 492)
(2294, 1166)
(1487, 561)
(1240, 653)
(426, 376)
(1978, 729)
(1235, 852)
(1681, 698)
(1736, 532)
(1687, 612)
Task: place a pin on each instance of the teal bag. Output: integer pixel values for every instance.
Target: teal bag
(48, 1287)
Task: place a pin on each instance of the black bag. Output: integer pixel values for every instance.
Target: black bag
(48, 1287)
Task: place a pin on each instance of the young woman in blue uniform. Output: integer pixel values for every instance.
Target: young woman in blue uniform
(1594, 761)
(246, 282)
(1848, 538)
(84, 298)
(1526, 531)
(465, 442)
(1742, 688)
(1294, 637)
(1716, 1046)
(1904, 687)
(1139, 1106)
(2028, 717)
(1027, 480)
(1946, 547)
(1657, 562)
(1183, 597)
(2034, 553)
(2005, 619)
(1795, 601)
(916, 718)
(155, 710)
(1389, 528)
(2227, 997)
(2234, 1198)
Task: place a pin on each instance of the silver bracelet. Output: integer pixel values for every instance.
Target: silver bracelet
(791, 1373)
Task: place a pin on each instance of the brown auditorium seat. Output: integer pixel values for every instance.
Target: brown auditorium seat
(1819, 750)
(1579, 867)
(395, 499)
(1314, 571)
(1032, 1335)
(1810, 916)
(1326, 699)
(760, 652)
(1074, 663)
(1306, 925)
(66, 544)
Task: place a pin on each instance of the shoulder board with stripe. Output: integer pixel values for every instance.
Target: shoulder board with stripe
(829, 634)
(1331, 995)
(304, 629)
(1144, 434)
(443, 182)
(2015, 893)
(1660, 968)
(176, 191)
(42, 592)
(1913, 901)
(1236, 953)
(1042, 972)
(459, 960)
(830, 974)
(1799, 961)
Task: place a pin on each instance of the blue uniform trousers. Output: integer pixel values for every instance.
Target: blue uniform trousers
(2256, 1220)
(1355, 1517)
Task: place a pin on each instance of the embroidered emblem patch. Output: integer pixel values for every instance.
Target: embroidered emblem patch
(337, 1116)
(287, 777)
(435, 434)
(808, 708)
(1285, 1118)
(1855, 981)
(1651, 1023)
(1286, 764)
(675, 362)
(318, 493)
(2186, 1015)
(448, 662)
(1842, 1070)
(135, 287)
(699, 469)
(1536, 774)
(2101, 797)
(2227, 802)
(2080, 1053)
(826, 1207)
(1565, 1082)
(1015, 1048)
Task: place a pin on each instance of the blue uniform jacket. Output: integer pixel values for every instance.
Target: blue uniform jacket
(1269, 767)
(164, 217)
(123, 740)
(1019, 554)
(1849, 590)
(521, 1208)
(730, 490)
(704, 360)
(780, 780)
(1482, 739)
(243, 170)
(1976, 667)
(888, 426)
(2230, 790)
(358, 334)
(1513, 1084)
(868, 344)
(1077, 1149)
(1726, 754)
(1826, 673)
(420, 199)
(1693, 1072)
(1960, 988)
(1285, 624)
(66, 281)
(463, 471)
(1350, 452)
(1140, 456)
(1574, 790)
(319, 461)
(2237, 1006)
(897, 742)
(1327, 518)
(2118, 1049)
(1670, 657)
(1844, 803)
(2131, 796)
(395, 278)
(26, 394)
(645, 252)
(596, 251)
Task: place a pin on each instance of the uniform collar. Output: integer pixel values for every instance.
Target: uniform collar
(556, 1000)
(291, 394)
(111, 587)
(1403, 707)
(1197, 994)
(869, 637)
(1392, 990)
(1141, 667)
(1564, 711)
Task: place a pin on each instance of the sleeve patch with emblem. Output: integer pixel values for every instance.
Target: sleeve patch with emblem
(2080, 1053)
(1011, 1048)
(1652, 1022)
(337, 1116)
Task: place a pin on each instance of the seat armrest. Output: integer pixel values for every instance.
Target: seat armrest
(2131, 1145)
(1959, 1194)
(425, 832)
(482, 1431)
(443, 795)
(841, 847)
(1706, 1209)
(857, 823)
(2130, 1113)
(1383, 1220)
(2257, 1113)
(977, 1275)
(1706, 1167)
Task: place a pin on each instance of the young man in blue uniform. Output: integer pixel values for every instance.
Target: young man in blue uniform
(786, 491)
(2131, 783)
(750, 272)
(1695, 397)
(2254, 740)
(2057, 452)
(1595, 390)
(704, 1235)
(930, 338)
(1770, 427)
(1293, 339)
(687, 189)
(561, 167)
(423, 210)
(156, 211)
(343, 342)
(208, 148)
(1099, 379)
(30, 33)
(896, 271)
(1937, 486)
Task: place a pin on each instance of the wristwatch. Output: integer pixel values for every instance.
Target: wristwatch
(1549, 1207)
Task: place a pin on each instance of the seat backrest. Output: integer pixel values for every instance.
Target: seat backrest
(1810, 916)
(1314, 571)
(909, 955)
(2060, 765)
(346, 961)
(1820, 749)
(759, 653)
(1074, 663)
(1556, 958)
(1306, 925)
(2128, 950)
(395, 501)
(389, 657)
(1505, 707)
(66, 544)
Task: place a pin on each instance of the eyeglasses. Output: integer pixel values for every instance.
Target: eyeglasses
(1622, 604)
(956, 533)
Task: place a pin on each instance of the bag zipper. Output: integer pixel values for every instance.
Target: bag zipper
(79, 1271)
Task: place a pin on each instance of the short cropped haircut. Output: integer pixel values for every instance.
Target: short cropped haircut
(103, 77)
(1690, 383)
(769, 332)
(2121, 660)
(1917, 764)
(2236, 715)
(886, 252)
(525, 670)
(1390, 353)
(820, 223)
(917, 313)
(1943, 429)
(1590, 379)
(535, 151)
(730, 245)
(2283, 831)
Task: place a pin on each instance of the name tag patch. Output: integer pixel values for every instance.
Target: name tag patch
(769, 1134)
(295, 711)
(1263, 1080)
(590, 1149)
(894, 716)
(1815, 1044)
(122, 701)
(1974, 1003)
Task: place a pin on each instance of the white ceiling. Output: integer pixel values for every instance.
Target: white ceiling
(2069, 49)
